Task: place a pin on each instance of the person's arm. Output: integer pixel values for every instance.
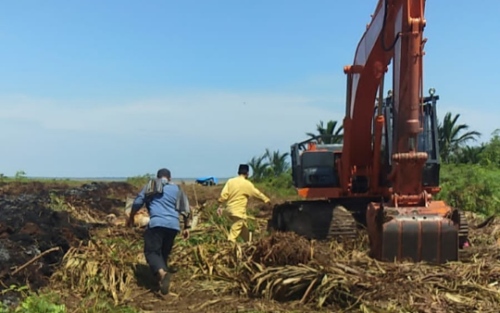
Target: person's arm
(259, 195)
(224, 194)
(182, 205)
(136, 206)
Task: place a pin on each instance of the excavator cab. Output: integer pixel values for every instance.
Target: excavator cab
(325, 213)
(427, 139)
(314, 164)
(321, 215)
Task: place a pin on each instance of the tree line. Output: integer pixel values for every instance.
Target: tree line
(454, 141)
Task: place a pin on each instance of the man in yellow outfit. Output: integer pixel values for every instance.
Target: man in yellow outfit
(235, 194)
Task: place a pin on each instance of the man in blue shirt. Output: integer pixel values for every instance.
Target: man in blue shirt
(164, 202)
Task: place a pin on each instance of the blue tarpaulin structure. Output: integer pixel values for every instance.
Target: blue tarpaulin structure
(207, 181)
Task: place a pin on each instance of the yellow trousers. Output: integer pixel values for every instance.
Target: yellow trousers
(239, 228)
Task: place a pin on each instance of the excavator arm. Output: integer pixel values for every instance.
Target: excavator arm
(394, 34)
(408, 224)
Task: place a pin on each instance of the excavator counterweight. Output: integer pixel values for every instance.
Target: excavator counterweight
(385, 172)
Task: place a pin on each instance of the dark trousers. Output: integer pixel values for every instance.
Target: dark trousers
(158, 242)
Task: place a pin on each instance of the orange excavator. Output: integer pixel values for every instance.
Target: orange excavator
(385, 173)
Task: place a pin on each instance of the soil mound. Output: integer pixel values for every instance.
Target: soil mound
(36, 231)
(282, 249)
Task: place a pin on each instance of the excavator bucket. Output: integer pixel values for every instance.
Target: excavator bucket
(319, 219)
(429, 234)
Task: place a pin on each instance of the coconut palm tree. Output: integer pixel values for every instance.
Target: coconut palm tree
(259, 167)
(450, 137)
(277, 162)
(329, 135)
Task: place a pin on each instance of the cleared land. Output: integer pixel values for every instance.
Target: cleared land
(59, 240)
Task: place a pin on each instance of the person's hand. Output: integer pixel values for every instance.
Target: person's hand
(219, 211)
(185, 234)
(268, 205)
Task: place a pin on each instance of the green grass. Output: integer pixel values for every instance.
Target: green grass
(51, 302)
(25, 180)
(34, 303)
(281, 186)
(139, 181)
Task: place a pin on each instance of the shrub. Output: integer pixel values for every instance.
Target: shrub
(472, 188)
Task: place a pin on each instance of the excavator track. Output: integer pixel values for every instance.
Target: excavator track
(463, 230)
(342, 225)
(321, 220)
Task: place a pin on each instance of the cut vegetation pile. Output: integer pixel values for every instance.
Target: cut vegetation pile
(342, 277)
(103, 266)
(349, 279)
(282, 267)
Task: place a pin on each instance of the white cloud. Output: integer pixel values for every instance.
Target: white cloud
(203, 133)
(200, 115)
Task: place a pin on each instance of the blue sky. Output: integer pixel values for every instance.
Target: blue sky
(121, 88)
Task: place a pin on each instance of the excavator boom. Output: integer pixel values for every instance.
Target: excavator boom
(395, 34)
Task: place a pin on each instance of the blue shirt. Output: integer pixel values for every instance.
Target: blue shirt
(162, 208)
